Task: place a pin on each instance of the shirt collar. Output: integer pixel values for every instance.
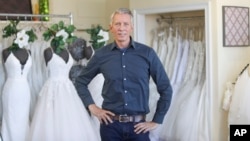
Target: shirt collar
(131, 44)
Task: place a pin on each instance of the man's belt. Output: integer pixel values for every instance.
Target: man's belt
(129, 118)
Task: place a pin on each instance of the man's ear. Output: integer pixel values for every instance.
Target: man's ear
(110, 27)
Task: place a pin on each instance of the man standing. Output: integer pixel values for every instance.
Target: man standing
(127, 67)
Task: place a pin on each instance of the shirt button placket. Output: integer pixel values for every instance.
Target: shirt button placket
(124, 77)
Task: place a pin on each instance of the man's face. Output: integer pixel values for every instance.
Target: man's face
(121, 27)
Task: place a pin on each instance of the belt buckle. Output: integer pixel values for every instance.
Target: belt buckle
(123, 118)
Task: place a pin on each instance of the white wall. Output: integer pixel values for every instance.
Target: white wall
(231, 60)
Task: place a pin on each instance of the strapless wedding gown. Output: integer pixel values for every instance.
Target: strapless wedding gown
(60, 114)
(16, 100)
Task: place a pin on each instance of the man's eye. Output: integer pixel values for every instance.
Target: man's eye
(117, 24)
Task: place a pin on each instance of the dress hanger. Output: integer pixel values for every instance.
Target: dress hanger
(42, 26)
(244, 69)
(241, 73)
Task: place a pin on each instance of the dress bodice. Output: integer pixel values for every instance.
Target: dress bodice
(58, 67)
(15, 69)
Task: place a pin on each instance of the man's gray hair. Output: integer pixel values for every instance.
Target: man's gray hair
(121, 11)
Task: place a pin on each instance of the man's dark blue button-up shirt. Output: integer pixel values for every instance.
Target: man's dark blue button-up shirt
(126, 85)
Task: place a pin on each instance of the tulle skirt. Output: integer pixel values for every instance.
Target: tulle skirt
(60, 115)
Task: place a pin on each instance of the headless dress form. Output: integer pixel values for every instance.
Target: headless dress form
(60, 114)
(16, 95)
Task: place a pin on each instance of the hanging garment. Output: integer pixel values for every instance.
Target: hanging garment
(188, 116)
(185, 109)
(190, 102)
(16, 100)
(162, 51)
(204, 119)
(2, 78)
(177, 60)
(174, 55)
(38, 73)
(155, 41)
(183, 63)
(190, 61)
(60, 114)
(239, 107)
(170, 46)
(227, 96)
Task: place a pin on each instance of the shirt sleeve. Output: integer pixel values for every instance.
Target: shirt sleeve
(82, 81)
(163, 85)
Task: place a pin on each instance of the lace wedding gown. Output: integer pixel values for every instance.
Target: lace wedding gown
(16, 100)
(239, 107)
(60, 114)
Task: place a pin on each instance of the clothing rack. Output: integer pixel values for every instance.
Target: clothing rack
(170, 19)
(26, 16)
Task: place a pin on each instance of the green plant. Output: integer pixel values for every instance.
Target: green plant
(98, 36)
(61, 35)
(21, 36)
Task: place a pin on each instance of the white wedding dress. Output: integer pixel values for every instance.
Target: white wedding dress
(16, 100)
(60, 114)
(239, 112)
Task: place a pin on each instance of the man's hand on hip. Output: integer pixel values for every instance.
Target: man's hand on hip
(103, 116)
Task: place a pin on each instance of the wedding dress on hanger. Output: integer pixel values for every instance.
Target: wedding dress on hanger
(239, 106)
(162, 49)
(155, 40)
(38, 73)
(182, 120)
(183, 63)
(177, 59)
(174, 54)
(188, 116)
(169, 53)
(189, 107)
(180, 111)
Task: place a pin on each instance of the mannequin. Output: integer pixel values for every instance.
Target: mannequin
(81, 54)
(48, 53)
(22, 54)
(78, 50)
(59, 113)
(16, 94)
